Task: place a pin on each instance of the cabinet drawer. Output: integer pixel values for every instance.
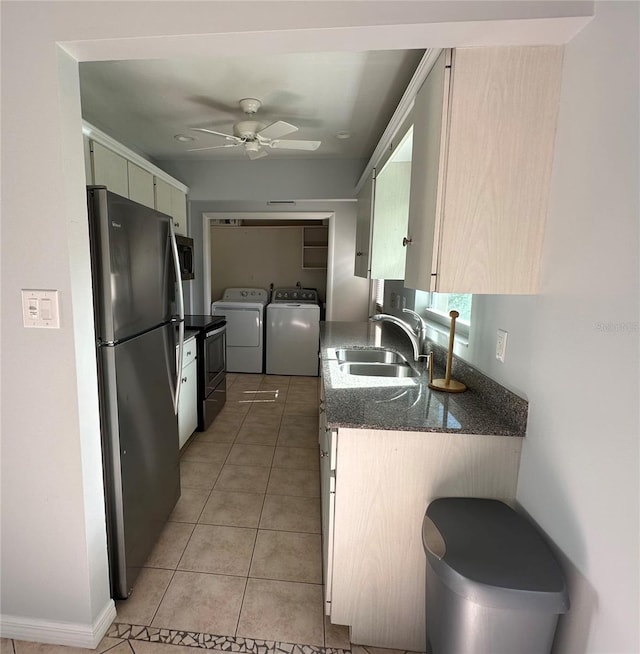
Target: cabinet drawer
(189, 352)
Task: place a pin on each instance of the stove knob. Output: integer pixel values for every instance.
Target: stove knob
(243, 293)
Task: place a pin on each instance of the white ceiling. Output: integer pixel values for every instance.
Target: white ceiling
(144, 104)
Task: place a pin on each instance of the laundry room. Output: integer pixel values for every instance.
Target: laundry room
(268, 254)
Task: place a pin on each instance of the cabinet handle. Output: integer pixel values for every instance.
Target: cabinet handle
(323, 454)
(184, 380)
(406, 241)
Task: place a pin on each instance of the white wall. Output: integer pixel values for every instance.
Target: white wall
(54, 581)
(54, 564)
(325, 185)
(573, 350)
(263, 180)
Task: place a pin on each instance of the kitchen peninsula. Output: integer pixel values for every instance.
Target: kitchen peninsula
(389, 446)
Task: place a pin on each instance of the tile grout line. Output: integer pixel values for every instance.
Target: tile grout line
(175, 570)
(255, 542)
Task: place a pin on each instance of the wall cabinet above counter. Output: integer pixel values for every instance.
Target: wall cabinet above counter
(109, 163)
(484, 123)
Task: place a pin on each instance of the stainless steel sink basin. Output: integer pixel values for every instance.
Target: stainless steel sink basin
(379, 369)
(369, 356)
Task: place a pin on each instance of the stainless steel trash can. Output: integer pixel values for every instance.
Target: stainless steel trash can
(493, 585)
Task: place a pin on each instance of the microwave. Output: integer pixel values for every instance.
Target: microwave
(185, 255)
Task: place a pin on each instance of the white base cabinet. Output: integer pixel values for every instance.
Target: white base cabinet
(188, 402)
(372, 520)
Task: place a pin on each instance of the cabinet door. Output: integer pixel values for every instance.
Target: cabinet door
(179, 210)
(426, 187)
(163, 196)
(363, 227)
(188, 404)
(390, 216)
(109, 169)
(140, 185)
(173, 202)
(503, 110)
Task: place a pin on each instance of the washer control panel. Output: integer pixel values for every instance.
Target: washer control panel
(302, 295)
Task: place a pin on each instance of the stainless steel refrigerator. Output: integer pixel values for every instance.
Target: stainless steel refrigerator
(139, 320)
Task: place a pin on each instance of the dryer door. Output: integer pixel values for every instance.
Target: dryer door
(244, 328)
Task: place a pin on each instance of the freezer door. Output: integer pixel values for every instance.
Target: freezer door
(134, 286)
(140, 444)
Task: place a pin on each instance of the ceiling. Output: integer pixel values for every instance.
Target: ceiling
(145, 104)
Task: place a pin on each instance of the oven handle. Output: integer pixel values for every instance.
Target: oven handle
(215, 332)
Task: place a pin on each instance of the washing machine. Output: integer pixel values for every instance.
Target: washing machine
(244, 311)
(293, 332)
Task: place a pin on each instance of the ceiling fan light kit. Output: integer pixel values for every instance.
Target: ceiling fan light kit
(256, 136)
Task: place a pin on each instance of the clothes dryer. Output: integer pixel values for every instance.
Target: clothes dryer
(243, 309)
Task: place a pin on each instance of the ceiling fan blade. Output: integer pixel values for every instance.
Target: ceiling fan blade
(256, 154)
(215, 147)
(277, 130)
(288, 144)
(230, 137)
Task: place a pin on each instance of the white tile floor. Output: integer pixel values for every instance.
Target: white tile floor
(240, 557)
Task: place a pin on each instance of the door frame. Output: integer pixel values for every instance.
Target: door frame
(207, 222)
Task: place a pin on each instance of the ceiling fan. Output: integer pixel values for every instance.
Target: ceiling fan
(255, 136)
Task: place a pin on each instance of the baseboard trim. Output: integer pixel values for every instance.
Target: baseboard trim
(55, 632)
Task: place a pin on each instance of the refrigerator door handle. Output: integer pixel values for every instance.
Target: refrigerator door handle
(176, 263)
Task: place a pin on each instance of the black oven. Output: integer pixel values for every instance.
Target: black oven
(211, 350)
(214, 370)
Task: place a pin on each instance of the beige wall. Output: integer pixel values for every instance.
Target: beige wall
(258, 257)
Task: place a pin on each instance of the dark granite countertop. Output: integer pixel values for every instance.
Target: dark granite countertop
(408, 404)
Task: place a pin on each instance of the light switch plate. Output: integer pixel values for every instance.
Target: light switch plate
(40, 308)
(501, 345)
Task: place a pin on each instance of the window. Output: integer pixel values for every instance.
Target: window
(436, 307)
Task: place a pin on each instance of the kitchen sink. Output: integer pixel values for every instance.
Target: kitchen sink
(369, 356)
(378, 369)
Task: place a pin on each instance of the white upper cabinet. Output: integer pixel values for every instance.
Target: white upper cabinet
(179, 210)
(110, 164)
(173, 202)
(483, 140)
(363, 227)
(109, 169)
(140, 185)
(390, 215)
(383, 211)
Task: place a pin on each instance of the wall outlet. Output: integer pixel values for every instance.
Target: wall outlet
(501, 345)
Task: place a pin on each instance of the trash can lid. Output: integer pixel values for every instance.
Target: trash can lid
(488, 553)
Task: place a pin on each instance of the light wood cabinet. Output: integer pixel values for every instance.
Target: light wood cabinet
(328, 442)
(140, 185)
(188, 401)
(383, 481)
(483, 140)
